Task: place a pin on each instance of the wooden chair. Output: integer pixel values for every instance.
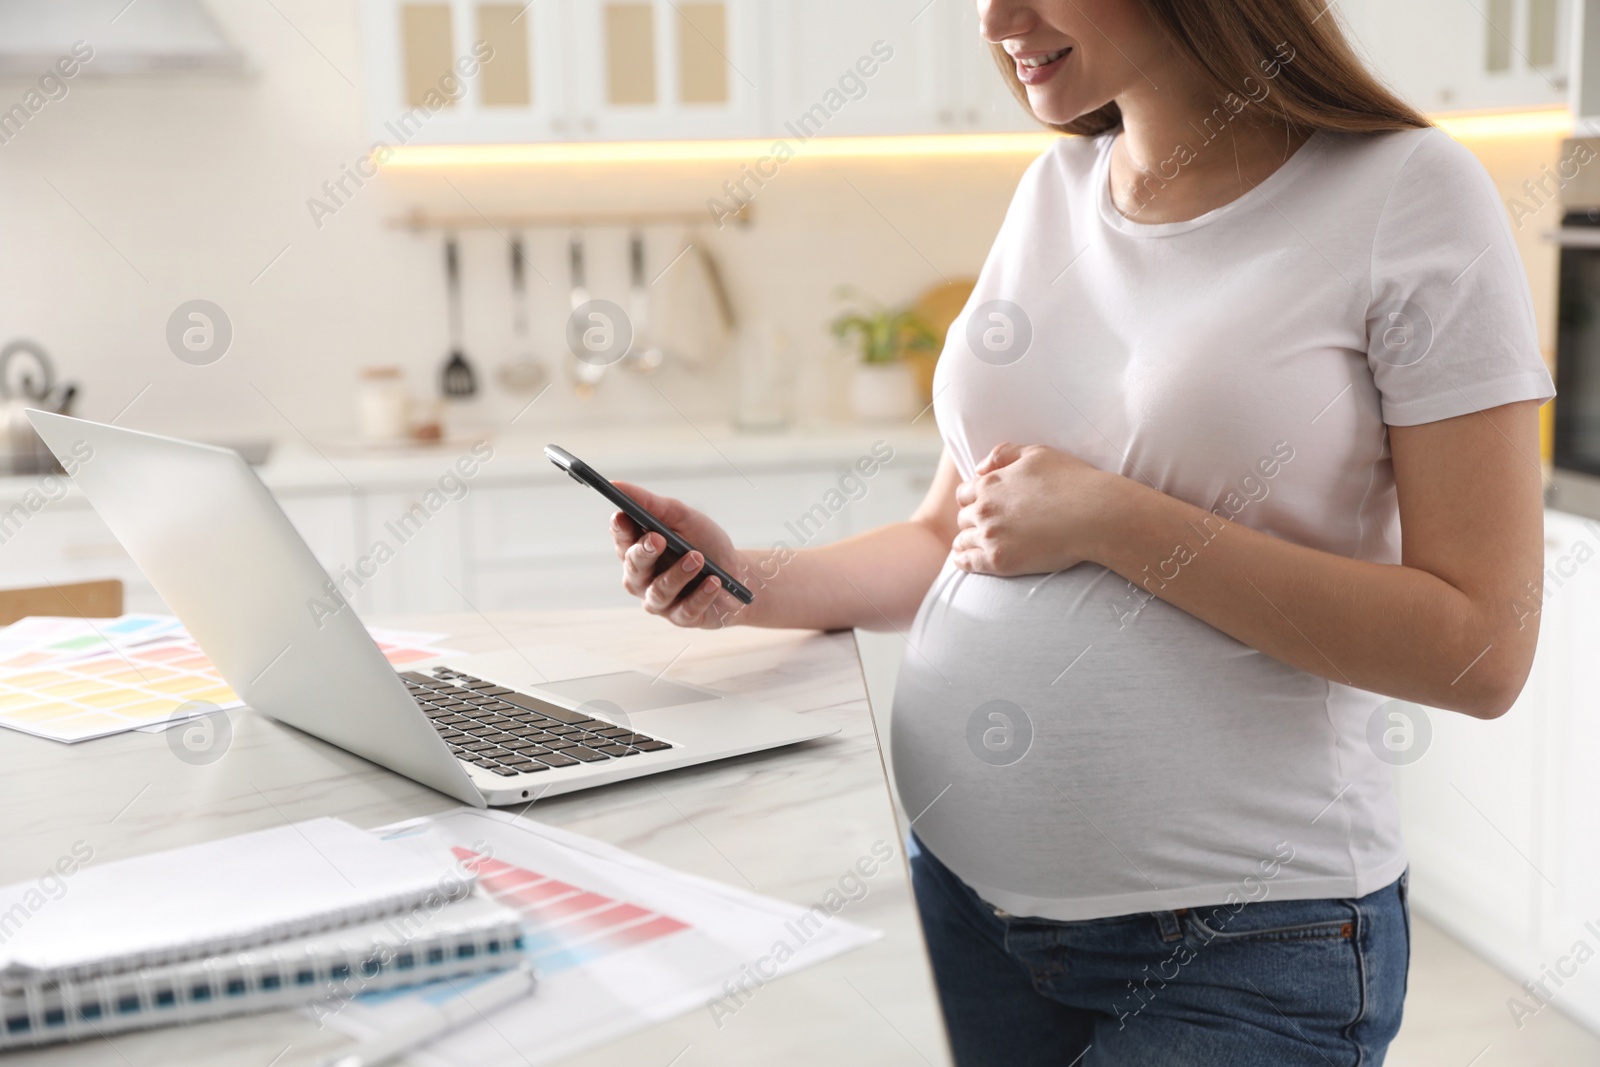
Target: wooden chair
(90, 600)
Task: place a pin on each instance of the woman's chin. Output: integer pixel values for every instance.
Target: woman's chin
(1055, 111)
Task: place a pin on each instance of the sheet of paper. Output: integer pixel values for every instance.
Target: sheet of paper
(42, 639)
(618, 942)
(76, 679)
(405, 647)
(178, 720)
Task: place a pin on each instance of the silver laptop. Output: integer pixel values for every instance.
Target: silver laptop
(500, 728)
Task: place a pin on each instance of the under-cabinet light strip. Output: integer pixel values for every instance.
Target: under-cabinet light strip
(1543, 123)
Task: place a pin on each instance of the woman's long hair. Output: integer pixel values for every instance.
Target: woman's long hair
(1294, 49)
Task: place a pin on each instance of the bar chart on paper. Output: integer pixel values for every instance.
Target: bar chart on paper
(617, 942)
(567, 926)
(75, 679)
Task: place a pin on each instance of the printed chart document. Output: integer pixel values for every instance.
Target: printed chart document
(618, 942)
(76, 679)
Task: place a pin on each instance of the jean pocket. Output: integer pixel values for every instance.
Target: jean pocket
(1277, 920)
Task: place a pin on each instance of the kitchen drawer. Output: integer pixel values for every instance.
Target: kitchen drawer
(327, 522)
(892, 495)
(767, 507)
(589, 581)
(422, 565)
(507, 523)
(63, 541)
(68, 541)
(540, 522)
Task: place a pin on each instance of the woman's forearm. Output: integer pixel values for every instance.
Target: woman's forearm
(875, 580)
(1393, 629)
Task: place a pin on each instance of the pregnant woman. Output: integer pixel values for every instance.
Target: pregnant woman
(1254, 322)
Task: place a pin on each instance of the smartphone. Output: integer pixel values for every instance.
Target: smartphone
(677, 547)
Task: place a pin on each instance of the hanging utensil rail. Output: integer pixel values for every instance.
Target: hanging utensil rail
(424, 220)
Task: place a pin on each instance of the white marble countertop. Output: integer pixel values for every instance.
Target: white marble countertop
(785, 823)
(297, 465)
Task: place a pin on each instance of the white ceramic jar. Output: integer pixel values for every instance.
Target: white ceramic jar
(383, 407)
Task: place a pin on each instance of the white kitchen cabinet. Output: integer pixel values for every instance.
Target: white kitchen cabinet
(329, 522)
(1501, 817)
(414, 549)
(977, 97)
(67, 541)
(577, 582)
(516, 525)
(625, 70)
(525, 540)
(821, 54)
(662, 69)
(1568, 788)
(758, 508)
(892, 494)
(1450, 55)
(547, 546)
(568, 70)
(411, 48)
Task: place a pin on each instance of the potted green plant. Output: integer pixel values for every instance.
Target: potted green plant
(882, 386)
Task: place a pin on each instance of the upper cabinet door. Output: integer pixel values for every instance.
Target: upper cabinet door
(857, 66)
(1443, 55)
(977, 97)
(663, 69)
(462, 72)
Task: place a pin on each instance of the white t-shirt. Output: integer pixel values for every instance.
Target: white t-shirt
(1073, 747)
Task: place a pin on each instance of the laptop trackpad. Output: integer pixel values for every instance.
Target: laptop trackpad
(632, 691)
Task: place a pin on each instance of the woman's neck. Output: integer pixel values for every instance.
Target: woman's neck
(1183, 151)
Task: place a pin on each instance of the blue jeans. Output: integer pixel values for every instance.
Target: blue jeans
(1274, 982)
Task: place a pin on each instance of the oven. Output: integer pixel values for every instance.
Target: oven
(1575, 479)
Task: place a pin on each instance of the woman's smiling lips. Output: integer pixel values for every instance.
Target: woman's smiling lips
(1035, 68)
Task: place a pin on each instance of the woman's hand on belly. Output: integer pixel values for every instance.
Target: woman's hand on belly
(1029, 509)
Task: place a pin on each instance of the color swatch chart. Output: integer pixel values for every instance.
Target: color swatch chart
(110, 692)
(75, 679)
(567, 926)
(41, 639)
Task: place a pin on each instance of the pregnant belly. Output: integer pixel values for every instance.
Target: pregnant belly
(1065, 737)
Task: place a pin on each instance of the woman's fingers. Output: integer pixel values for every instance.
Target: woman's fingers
(967, 552)
(693, 609)
(670, 583)
(624, 532)
(1001, 455)
(966, 493)
(640, 563)
(662, 587)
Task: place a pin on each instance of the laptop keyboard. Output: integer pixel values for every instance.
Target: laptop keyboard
(510, 733)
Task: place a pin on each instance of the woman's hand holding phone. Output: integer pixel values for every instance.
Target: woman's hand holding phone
(659, 581)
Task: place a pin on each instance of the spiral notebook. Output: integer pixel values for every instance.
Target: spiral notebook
(454, 938)
(83, 919)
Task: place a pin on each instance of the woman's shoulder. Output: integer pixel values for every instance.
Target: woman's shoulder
(1422, 155)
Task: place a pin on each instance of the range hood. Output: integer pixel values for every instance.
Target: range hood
(128, 36)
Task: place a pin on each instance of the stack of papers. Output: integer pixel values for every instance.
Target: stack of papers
(618, 943)
(74, 679)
